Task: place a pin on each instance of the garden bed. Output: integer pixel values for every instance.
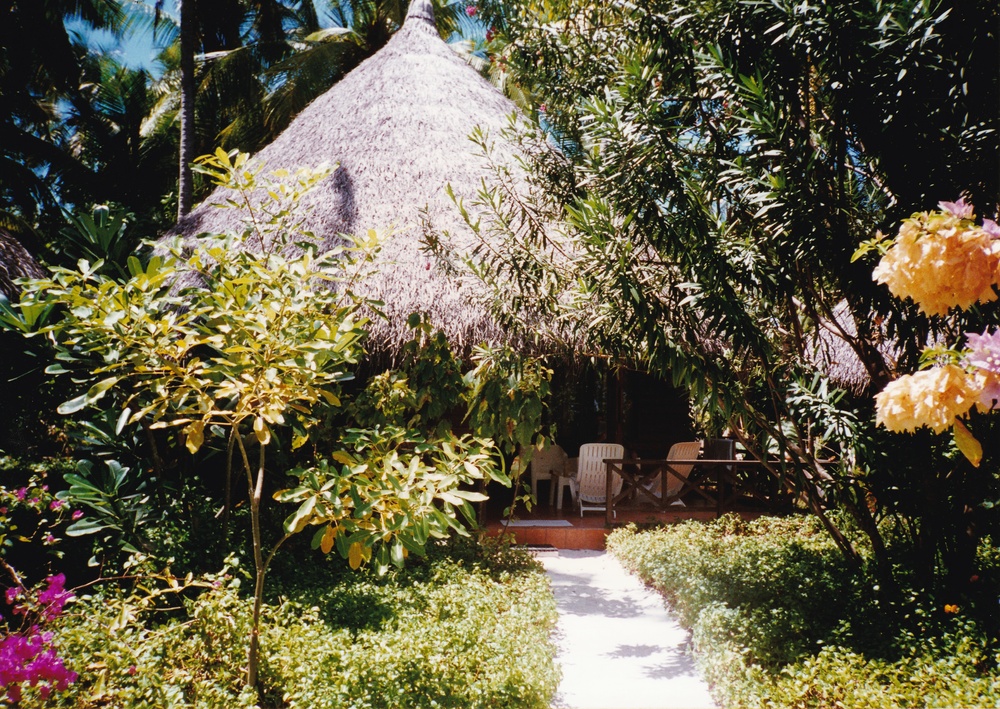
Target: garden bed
(467, 627)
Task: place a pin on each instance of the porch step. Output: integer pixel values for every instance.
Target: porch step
(589, 532)
(557, 537)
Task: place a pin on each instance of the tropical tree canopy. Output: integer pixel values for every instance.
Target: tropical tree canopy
(80, 126)
(714, 167)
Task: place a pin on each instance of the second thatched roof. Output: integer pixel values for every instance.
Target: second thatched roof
(398, 126)
(15, 262)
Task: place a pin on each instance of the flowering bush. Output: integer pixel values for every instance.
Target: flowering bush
(934, 398)
(27, 656)
(942, 260)
(30, 512)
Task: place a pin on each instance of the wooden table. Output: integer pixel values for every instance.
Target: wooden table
(635, 473)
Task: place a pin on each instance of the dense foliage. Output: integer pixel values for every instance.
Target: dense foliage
(779, 622)
(213, 350)
(701, 173)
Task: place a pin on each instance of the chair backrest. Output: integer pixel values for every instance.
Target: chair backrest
(544, 461)
(688, 450)
(720, 449)
(591, 474)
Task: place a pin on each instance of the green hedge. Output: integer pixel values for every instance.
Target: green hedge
(778, 620)
(460, 629)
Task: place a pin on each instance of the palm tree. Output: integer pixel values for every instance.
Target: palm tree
(116, 140)
(188, 36)
(247, 67)
(40, 76)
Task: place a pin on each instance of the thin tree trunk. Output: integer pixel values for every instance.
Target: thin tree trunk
(255, 488)
(188, 12)
(258, 558)
(228, 503)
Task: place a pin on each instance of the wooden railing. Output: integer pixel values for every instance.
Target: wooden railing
(716, 481)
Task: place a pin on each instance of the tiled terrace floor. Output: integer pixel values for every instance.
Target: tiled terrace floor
(589, 531)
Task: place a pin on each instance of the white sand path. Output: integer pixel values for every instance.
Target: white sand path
(619, 648)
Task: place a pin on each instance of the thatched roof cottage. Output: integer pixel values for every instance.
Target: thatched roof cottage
(399, 126)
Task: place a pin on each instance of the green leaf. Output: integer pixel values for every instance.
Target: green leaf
(317, 538)
(73, 405)
(85, 526)
(291, 495)
(122, 420)
(298, 520)
(397, 553)
(470, 495)
(95, 393)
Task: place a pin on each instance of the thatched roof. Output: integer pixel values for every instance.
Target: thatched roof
(835, 357)
(398, 126)
(15, 262)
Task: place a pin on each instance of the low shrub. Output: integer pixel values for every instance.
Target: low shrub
(779, 581)
(779, 620)
(458, 629)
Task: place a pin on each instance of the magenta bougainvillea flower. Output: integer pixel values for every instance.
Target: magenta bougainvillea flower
(27, 657)
(30, 660)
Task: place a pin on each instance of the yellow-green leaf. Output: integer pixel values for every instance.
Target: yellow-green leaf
(194, 435)
(261, 430)
(331, 399)
(298, 520)
(342, 458)
(355, 555)
(326, 544)
(967, 443)
(299, 440)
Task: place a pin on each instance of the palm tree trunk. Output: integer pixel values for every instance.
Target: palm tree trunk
(188, 12)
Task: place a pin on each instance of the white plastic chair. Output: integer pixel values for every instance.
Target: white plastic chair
(546, 464)
(687, 450)
(590, 486)
(563, 482)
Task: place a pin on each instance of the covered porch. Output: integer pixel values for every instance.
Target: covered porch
(714, 488)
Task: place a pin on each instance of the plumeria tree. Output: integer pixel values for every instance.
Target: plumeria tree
(947, 263)
(243, 338)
